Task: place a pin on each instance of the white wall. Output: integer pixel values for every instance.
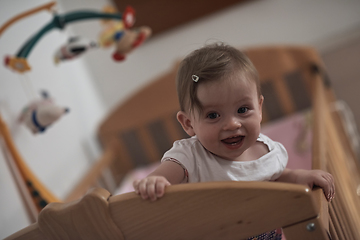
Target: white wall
(58, 157)
(61, 155)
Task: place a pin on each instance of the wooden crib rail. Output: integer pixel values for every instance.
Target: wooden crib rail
(332, 153)
(213, 210)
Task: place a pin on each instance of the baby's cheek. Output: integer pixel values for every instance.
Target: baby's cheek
(256, 129)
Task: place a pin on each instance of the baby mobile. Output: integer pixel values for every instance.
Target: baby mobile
(41, 113)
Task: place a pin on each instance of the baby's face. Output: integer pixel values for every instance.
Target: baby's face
(230, 121)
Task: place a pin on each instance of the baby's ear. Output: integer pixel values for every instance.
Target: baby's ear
(261, 101)
(185, 122)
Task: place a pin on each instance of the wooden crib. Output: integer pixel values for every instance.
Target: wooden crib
(140, 130)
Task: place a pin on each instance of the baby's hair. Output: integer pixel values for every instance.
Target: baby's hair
(212, 62)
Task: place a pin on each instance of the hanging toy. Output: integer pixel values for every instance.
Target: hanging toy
(41, 113)
(112, 26)
(120, 34)
(128, 40)
(73, 48)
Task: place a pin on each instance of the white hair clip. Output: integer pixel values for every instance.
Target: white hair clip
(195, 78)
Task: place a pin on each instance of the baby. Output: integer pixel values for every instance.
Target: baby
(221, 109)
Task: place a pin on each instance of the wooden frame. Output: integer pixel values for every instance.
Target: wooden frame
(223, 210)
(218, 210)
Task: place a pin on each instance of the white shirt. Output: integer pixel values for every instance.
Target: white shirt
(203, 166)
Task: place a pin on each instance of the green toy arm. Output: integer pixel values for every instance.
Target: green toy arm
(60, 21)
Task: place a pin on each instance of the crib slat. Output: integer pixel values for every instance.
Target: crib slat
(319, 143)
(339, 221)
(333, 232)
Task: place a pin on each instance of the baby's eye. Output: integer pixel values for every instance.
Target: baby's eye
(243, 110)
(213, 115)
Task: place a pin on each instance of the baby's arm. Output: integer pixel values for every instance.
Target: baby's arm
(153, 186)
(310, 178)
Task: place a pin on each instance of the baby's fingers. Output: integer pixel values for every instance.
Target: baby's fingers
(326, 182)
(331, 193)
(143, 188)
(160, 187)
(136, 186)
(156, 188)
(150, 189)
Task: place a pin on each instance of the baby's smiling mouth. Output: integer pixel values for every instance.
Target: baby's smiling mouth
(233, 140)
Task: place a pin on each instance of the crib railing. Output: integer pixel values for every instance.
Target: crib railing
(332, 153)
(218, 210)
(223, 210)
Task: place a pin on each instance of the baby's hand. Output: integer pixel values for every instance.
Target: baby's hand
(152, 187)
(317, 178)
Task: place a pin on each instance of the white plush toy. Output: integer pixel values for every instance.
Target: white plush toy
(41, 113)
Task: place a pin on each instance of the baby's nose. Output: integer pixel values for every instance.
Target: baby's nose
(233, 124)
